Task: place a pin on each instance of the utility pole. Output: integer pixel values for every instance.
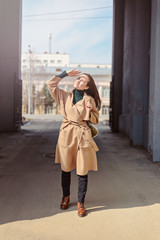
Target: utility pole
(29, 84)
(50, 43)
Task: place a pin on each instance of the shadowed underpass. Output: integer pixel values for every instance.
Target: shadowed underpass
(122, 201)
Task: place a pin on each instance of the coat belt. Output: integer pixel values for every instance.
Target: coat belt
(82, 125)
(67, 122)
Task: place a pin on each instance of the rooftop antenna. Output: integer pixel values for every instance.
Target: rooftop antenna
(50, 43)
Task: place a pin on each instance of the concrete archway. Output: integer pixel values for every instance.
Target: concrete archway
(10, 57)
(135, 81)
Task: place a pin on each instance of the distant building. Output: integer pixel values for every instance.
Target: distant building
(53, 60)
(44, 60)
(33, 65)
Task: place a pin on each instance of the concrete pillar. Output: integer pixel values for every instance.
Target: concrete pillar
(136, 63)
(154, 98)
(10, 51)
(117, 63)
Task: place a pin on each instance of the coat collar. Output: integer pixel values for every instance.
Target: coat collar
(85, 98)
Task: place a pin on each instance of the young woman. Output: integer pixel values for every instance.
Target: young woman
(76, 147)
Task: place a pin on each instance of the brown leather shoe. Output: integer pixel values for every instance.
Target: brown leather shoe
(65, 202)
(81, 209)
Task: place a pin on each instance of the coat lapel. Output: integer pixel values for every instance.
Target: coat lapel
(81, 107)
(77, 112)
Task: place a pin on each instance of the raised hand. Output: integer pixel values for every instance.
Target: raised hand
(89, 105)
(73, 72)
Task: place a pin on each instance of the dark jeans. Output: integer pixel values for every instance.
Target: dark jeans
(82, 185)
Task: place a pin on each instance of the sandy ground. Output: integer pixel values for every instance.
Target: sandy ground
(122, 202)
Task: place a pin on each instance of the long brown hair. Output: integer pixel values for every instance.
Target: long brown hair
(92, 91)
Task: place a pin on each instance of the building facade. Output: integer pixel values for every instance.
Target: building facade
(43, 60)
(38, 68)
(53, 60)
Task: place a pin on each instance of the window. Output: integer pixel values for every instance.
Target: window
(24, 60)
(106, 92)
(105, 110)
(45, 61)
(52, 61)
(59, 61)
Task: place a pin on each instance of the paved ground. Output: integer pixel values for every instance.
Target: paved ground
(123, 198)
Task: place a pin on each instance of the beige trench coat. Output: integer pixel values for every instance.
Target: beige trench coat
(76, 147)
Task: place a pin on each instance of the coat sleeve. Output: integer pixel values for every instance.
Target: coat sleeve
(94, 114)
(58, 94)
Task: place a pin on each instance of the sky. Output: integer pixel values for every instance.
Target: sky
(85, 40)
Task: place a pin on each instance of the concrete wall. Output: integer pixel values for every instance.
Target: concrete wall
(154, 103)
(136, 61)
(117, 63)
(10, 45)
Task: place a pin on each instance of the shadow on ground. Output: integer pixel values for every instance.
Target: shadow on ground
(30, 181)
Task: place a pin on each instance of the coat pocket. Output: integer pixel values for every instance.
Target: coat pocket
(62, 139)
(65, 138)
(87, 141)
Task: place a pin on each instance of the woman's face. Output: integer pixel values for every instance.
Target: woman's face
(81, 82)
